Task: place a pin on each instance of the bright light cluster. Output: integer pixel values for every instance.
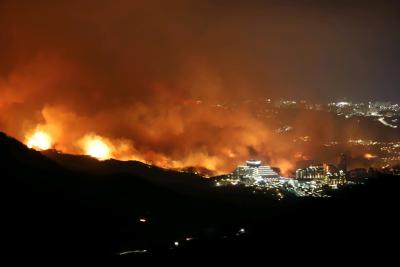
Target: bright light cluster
(97, 148)
(40, 141)
(92, 145)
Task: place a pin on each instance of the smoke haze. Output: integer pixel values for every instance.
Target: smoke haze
(146, 75)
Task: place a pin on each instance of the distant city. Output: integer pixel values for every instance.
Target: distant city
(320, 180)
(375, 138)
(347, 109)
(386, 112)
(313, 181)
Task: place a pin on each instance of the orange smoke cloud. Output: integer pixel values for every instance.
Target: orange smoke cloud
(143, 79)
(172, 136)
(165, 126)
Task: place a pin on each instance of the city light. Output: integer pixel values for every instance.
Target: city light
(313, 181)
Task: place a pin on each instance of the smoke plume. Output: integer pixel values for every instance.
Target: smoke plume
(147, 77)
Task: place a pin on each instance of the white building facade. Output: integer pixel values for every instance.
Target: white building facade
(254, 171)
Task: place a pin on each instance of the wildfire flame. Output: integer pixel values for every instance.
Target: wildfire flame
(39, 141)
(97, 148)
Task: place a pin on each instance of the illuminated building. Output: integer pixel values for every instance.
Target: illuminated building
(312, 172)
(254, 171)
(330, 169)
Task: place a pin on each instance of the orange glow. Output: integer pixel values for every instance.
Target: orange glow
(301, 156)
(285, 165)
(97, 148)
(369, 156)
(39, 141)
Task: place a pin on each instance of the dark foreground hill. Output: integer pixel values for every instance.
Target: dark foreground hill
(63, 205)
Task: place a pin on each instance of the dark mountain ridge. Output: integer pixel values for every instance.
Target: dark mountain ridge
(67, 206)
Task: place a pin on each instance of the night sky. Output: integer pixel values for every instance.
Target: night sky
(319, 50)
